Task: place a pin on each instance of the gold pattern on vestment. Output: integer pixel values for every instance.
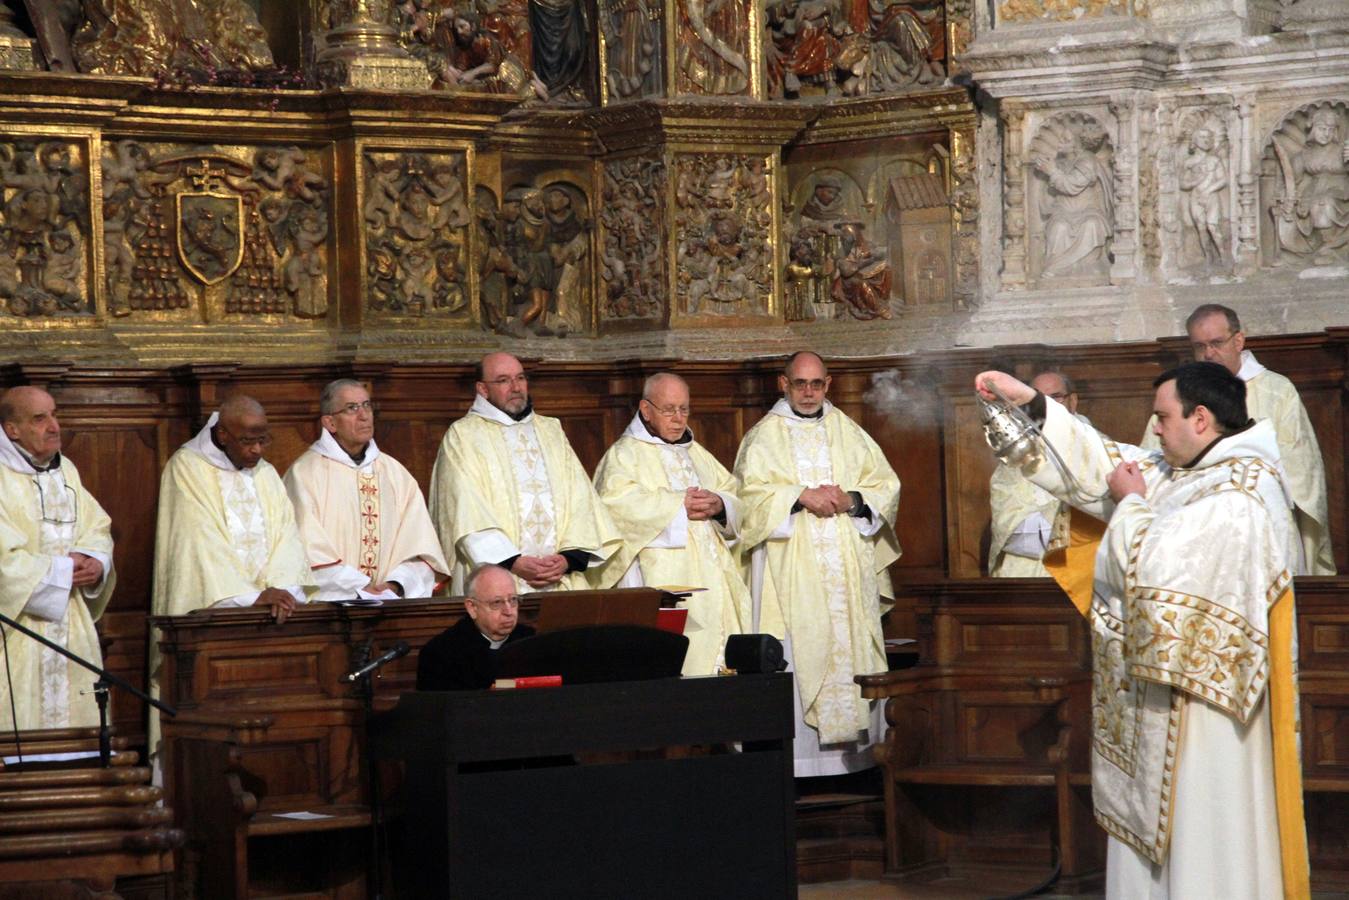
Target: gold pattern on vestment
(57, 512)
(243, 516)
(367, 485)
(533, 491)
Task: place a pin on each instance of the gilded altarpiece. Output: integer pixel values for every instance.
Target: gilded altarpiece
(47, 243)
(200, 234)
(631, 258)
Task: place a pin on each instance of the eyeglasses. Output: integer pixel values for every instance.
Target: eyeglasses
(508, 380)
(264, 441)
(498, 604)
(668, 412)
(352, 409)
(1201, 346)
(800, 384)
(55, 517)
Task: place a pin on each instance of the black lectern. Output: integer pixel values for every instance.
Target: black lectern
(706, 823)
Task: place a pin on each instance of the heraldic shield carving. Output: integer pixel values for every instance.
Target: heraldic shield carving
(210, 231)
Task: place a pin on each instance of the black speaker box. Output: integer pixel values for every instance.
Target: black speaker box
(754, 654)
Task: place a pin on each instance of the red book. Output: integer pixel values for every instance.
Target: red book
(527, 681)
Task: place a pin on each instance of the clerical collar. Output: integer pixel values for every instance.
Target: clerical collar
(1213, 443)
(50, 466)
(206, 445)
(484, 407)
(684, 439)
(1249, 366)
(784, 409)
(328, 447)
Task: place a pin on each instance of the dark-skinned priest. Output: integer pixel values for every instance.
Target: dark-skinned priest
(226, 533)
(818, 502)
(677, 510)
(508, 489)
(1187, 588)
(56, 574)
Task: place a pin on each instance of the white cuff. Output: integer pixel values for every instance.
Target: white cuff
(676, 534)
(237, 601)
(339, 582)
(1030, 538)
(866, 525)
(731, 530)
(488, 546)
(416, 578)
(784, 529)
(52, 594)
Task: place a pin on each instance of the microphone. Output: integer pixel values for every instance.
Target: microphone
(399, 650)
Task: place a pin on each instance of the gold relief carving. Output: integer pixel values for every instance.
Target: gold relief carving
(965, 219)
(630, 248)
(136, 37)
(724, 246)
(1059, 10)
(416, 229)
(244, 236)
(44, 230)
(814, 47)
(544, 258)
(632, 46)
(713, 47)
(462, 52)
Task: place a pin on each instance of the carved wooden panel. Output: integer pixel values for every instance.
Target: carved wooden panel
(289, 768)
(993, 729)
(294, 670)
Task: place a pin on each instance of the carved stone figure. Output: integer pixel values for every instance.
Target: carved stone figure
(806, 272)
(722, 239)
(1073, 213)
(903, 52)
(135, 37)
(861, 275)
(545, 252)
(1310, 204)
(416, 227)
(631, 257)
(463, 55)
(568, 245)
(44, 203)
(712, 57)
(559, 32)
(632, 37)
(494, 266)
(801, 46)
(1203, 179)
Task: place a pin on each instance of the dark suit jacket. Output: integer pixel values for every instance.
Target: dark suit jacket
(460, 659)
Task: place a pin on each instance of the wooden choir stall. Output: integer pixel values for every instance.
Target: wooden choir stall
(268, 727)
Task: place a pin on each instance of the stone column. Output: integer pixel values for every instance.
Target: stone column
(1013, 199)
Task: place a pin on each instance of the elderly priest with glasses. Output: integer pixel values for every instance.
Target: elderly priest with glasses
(56, 572)
(362, 517)
(462, 657)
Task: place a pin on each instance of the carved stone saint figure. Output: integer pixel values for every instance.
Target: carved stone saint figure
(901, 46)
(801, 46)
(632, 38)
(1077, 207)
(472, 57)
(713, 42)
(1312, 213)
(1203, 176)
(861, 276)
(559, 34)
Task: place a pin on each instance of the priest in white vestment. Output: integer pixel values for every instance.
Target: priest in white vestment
(56, 574)
(1215, 336)
(676, 508)
(1195, 768)
(1025, 515)
(818, 502)
(507, 489)
(362, 517)
(226, 533)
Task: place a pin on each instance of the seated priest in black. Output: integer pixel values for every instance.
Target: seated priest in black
(462, 657)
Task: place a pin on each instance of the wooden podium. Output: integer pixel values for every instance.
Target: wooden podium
(267, 727)
(498, 807)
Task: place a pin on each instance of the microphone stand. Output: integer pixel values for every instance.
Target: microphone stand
(105, 682)
(375, 870)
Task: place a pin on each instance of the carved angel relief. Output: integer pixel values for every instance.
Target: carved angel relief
(631, 250)
(252, 225)
(1070, 201)
(44, 228)
(416, 227)
(723, 221)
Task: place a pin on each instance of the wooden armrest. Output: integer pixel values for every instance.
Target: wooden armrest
(215, 726)
(879, 681)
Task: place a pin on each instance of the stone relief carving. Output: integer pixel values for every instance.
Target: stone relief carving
(723, 232)
(132, 37)
(1304, 186)
(44, 229)
(833, 269)
(252, 225)
(815, 47)
(632, 36)
(631, 250)
(1071, 200)
(1010, 11)
(559, 36)
(1203, 180)
(543, 258)
(713, 52)
(965, 218)
(416, 222)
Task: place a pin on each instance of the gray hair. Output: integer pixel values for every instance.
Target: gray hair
(472, 581)
(328, 404)
(653, 380)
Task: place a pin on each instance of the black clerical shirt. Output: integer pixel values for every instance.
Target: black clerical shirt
(460, 658)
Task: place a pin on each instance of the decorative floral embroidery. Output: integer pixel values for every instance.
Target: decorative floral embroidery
(367, 486)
